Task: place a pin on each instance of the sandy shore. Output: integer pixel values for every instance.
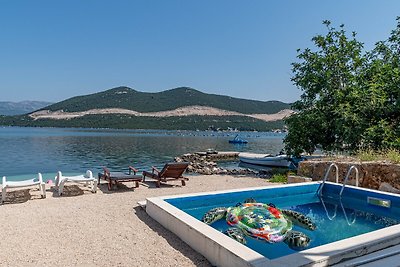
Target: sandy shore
(103, 229)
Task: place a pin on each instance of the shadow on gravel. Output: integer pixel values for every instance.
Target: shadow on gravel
(171, 238)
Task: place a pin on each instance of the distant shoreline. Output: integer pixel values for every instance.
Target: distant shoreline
(233, 132)
(126, 121)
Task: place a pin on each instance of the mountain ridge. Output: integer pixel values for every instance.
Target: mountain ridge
(182, 108)
(128, 98)
(10, 108)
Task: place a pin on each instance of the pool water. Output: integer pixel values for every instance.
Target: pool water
(335, 219)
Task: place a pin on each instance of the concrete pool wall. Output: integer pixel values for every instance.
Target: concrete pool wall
(221, 250)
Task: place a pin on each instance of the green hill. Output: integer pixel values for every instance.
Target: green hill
(127, 98)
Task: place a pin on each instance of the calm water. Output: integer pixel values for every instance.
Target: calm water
(348, 218)
(26, 151)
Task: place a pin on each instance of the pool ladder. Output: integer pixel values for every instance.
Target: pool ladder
(341, 191)
(337, 178)
(347, 178)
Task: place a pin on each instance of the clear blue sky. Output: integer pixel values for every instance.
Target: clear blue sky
(53, 50)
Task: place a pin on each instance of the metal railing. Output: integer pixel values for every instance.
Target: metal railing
(347, 178)
(349, 222)
(326, 177)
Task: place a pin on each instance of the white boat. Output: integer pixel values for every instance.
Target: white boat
(266, 159)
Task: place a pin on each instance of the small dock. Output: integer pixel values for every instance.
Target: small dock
(220, 155)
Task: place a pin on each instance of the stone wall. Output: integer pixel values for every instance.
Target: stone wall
(371, 174)
(205, 163)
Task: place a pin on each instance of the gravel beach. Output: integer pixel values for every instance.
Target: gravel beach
(103, 229)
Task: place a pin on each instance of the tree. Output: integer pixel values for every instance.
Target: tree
(327, 77)
(383, 77)
(350, 97)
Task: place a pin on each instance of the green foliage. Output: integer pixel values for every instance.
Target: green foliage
(278, 178)
(392, 155)
(351, 98)
(367, 155)
(280, 175)
(127, 98)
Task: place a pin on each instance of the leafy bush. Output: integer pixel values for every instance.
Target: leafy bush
(391, 155)
(278, 178)
(367, 155)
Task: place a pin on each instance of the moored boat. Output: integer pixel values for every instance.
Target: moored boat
(267, 160)
(238, 140)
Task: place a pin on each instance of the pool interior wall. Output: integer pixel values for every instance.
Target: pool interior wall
(283, 196)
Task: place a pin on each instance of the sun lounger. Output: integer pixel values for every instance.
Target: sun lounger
(171, 171)
(87, 179)
(114, 178)
(26, 183)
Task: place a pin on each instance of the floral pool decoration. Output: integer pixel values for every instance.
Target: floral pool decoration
(264, 222)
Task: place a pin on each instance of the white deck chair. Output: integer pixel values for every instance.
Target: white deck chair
(25, 183)
(87, 179)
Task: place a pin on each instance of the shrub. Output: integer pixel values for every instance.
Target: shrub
(367, 155)
(393, 155)
(278, 178)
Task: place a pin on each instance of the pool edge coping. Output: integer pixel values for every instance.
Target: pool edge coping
(345, 249)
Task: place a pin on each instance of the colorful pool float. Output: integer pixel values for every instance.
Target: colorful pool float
(262, 221)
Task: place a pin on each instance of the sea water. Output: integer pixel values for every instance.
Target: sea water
(335, 219)
(27, 151)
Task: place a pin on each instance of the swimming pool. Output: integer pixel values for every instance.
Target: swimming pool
(361, 222)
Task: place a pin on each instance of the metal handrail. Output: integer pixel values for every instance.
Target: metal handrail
(326, 177)
(347, 177)
(341, 191)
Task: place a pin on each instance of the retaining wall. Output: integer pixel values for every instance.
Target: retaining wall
(371, 174)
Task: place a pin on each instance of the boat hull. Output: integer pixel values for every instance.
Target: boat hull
(238, 141)
(265, 160)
